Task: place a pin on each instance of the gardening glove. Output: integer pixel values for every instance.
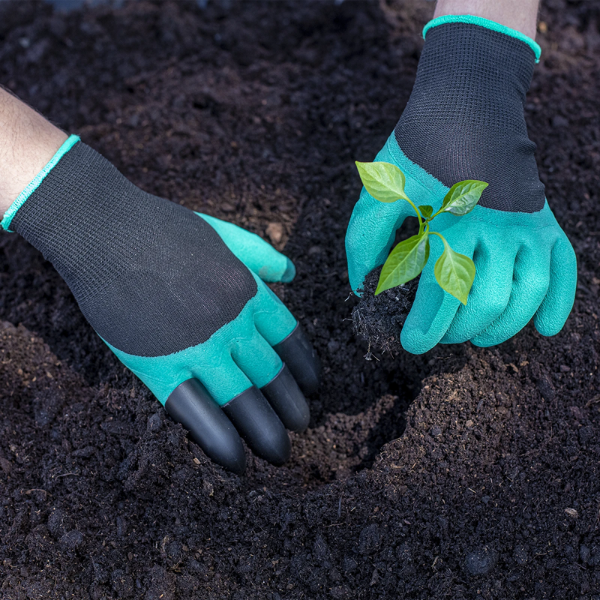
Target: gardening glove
(179, 298)
(465, 120)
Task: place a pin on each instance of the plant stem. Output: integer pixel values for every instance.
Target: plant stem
(416, 210)
(440, 236)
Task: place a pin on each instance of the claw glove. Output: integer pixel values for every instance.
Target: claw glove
(176, 295)
(465, 120)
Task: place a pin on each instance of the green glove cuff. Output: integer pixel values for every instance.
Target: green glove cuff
(22, 197)
(473, 20)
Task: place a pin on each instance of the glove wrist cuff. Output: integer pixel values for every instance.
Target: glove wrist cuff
(487, 24)
(35, 183)
(465, 117)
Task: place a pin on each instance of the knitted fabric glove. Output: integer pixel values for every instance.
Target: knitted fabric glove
(465, 120)
(179, 298)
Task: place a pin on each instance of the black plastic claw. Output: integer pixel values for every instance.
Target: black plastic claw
(192, 406)
(288, 401)
(298, 354)
(258, 424)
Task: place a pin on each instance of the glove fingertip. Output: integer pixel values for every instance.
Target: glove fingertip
(483, 341)
(549, 326)
(357, 278)
(413, 341)
(556, 307)
(289, 273)
(278, 269)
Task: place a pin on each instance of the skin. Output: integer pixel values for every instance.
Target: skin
(516, 14)
(29, 142)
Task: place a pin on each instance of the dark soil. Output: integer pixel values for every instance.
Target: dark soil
(379, 319)
(464, 473)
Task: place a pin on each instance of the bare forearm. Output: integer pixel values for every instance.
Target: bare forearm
(516, 14)
(27, 143)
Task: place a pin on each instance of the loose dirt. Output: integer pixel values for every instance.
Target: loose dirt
(466, 473)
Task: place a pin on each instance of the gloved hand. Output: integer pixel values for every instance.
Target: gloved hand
(179, 298)
(465, 120)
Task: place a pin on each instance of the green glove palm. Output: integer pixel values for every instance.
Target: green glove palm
(457, 128)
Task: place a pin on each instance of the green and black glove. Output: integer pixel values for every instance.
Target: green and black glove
(179, 298)
(465, 120)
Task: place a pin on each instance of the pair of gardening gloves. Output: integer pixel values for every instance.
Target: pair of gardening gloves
(180, 297)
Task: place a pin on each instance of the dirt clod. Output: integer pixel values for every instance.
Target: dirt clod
(481, 561)
(72, 540)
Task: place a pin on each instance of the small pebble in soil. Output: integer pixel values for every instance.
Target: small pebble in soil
(558, 122)
(174, 551)
(349, 564)
(121, 527)
(274, 232)
(86, 452)
(546, 388)
(379, 319)
(481, 561)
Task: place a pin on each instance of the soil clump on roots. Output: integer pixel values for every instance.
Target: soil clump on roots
(464, 473)
(379, 319)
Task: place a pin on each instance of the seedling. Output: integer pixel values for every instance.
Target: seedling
(453, 271)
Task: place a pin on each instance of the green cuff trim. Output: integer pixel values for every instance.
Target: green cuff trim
(473, 20)
(22, 197)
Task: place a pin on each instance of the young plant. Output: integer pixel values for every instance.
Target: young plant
(453, 271)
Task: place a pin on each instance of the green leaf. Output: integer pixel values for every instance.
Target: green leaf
(463, 196)
(404, 263)
(455, 273)
(426, 210)
(385, 182)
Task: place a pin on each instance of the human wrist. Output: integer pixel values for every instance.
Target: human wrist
(28, 142)
(468, 56)
(9, 209)
(486, 24)
(519, 15)
(77, 202)
(465, 117)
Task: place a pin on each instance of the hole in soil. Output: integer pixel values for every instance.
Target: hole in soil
(362, 403)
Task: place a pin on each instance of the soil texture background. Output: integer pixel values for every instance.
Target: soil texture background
(465, 473)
